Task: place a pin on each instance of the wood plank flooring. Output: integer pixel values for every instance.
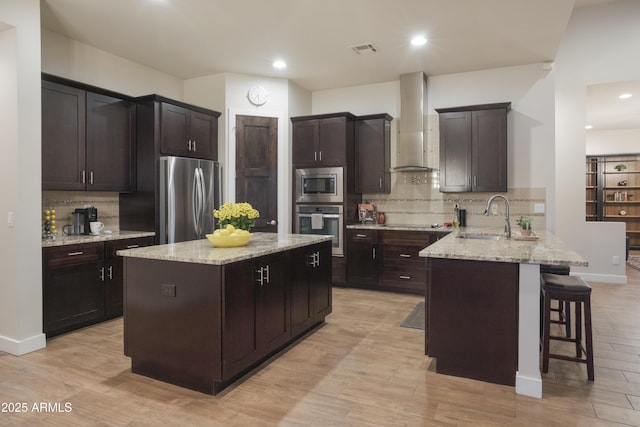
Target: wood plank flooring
(360, 369)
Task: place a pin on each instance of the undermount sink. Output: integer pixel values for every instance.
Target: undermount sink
(481, 236)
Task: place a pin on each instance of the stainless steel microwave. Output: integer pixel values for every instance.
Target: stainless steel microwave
(319, 185)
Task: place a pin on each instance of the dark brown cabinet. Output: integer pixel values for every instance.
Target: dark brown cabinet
(473, 148)
(388, 260)
(362, 259)
(223, 319)
(88, 139)
(324, 140)
(188, 133)
(373, 154)
(310, 276)
(256, 311)
(82, 283)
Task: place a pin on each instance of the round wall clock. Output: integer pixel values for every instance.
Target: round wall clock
(257, 95)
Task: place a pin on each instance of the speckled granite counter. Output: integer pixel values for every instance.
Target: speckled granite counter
(102, 237)
(398, 227)
(203, 252)
(548, 249)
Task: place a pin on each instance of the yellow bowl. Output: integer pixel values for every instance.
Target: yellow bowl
(231, 241)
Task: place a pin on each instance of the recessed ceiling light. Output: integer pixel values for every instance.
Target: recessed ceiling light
(419, 40)
(625, 96)
(279, 64)
(588, 127)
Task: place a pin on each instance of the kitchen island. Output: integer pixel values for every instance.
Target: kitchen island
(201, 317)
(483, 304)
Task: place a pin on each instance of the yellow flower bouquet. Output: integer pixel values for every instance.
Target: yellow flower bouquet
(240, 215)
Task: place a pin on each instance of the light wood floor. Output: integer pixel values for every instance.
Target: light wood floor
(360, 369)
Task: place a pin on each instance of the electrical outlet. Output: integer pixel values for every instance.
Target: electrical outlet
(494, 209)
(615, 260)
(538, 208)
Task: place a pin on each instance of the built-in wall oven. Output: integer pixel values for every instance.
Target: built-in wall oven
(325, 220)
(319, 185)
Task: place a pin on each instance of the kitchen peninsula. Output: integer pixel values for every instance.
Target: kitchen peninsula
(200, 317)
(483, 304)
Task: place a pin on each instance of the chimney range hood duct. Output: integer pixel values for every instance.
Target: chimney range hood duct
(413, 116)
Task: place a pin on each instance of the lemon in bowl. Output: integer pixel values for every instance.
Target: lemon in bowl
(229, 237)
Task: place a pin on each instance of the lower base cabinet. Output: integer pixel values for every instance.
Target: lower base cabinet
(202, 326)
(388, 260)
(82, 283)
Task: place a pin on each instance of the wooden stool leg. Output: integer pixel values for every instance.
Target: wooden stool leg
(588, 337)
(578, 305)
(545, 333)
(567, 317)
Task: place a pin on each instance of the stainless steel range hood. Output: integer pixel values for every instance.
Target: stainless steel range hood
(413, 117)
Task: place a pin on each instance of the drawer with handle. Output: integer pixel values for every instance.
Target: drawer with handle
(113, 246)
(362, 236)
(72, 254)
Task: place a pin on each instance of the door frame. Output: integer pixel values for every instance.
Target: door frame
(284, 220)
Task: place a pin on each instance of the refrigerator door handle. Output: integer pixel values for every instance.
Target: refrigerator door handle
(171, 205)
(203, 205)
(195, 200)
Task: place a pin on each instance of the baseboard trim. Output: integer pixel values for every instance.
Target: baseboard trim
(18, 348)
(528, 386)
(602, 278)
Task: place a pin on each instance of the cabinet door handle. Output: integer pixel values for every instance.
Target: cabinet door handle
(267, 270)
(189, 145)
(374, 252)
(102, 274)
(405, 277)
(91, 177)
(110, 272)
(75, 253)
(260, 279)
(194, 145)
(361, 235)
(84, 181)
(316, 257)
(315, 156)
(320, 155)
(132, 246)
(405, 256)
(475, 180)
(380, 183)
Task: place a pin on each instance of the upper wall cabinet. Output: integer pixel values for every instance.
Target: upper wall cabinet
(473, 148)
(88, 139)
(323, 140)
(373, 152)
(188, 132)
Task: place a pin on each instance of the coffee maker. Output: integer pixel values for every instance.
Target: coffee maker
(84, 216)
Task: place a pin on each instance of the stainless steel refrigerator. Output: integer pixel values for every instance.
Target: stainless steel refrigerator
(189, 192)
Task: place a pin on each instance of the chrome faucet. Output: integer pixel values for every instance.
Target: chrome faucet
(507, 225)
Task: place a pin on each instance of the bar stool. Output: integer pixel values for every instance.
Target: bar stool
(564, 308)
(568, 289)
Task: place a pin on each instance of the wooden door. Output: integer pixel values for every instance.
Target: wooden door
(257, 168)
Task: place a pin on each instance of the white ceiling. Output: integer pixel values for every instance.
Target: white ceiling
(193, 38)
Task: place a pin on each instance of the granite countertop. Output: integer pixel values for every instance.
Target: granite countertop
(203, 252)
(102, 237)
(548, 249)
(398, 227)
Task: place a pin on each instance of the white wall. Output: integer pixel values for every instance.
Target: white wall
(615, 141)
(77, 61)
(20, 106)
(529, 88)
(600, 46)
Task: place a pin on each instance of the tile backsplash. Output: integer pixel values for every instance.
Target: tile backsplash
(416, 200)
(65, 202)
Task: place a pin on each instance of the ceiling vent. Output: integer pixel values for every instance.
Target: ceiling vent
(364, 49)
